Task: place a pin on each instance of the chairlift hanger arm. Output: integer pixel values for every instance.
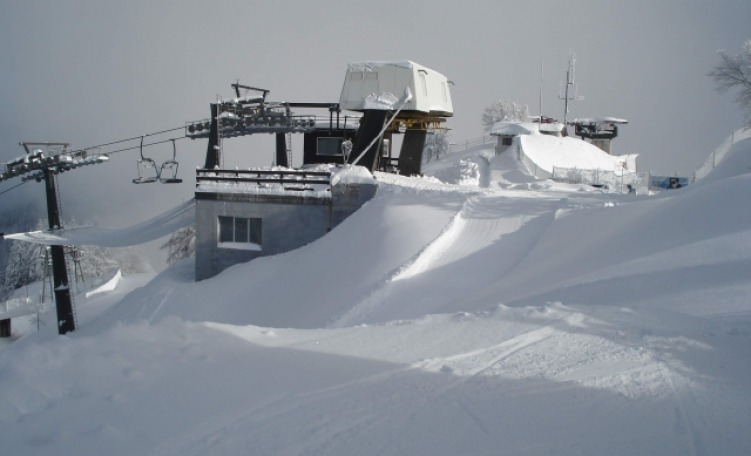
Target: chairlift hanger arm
(26, 144)
(237, 86)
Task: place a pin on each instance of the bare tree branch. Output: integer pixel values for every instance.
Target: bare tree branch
(735, 72)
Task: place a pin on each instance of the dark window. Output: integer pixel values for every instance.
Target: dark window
(240, 232)
(507, 141)
(330, 147)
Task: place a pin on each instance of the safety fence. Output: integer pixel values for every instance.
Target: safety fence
(719, 153)
(619, 181)
(470, 143)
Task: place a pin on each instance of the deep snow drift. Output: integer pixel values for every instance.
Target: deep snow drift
(476, 312)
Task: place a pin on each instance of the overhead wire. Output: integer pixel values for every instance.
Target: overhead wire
(145, 145)
(13, 188)
(135, 138)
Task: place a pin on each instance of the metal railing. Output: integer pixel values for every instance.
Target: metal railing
(614, 180)
(469, 143)
(264, 176)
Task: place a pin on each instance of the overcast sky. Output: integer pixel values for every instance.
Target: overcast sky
(91, 71)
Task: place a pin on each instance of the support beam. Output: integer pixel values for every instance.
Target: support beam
(281, 150)
(371, 125)
(65, 319)
(213, 150)
(5, 328)
(410, 155)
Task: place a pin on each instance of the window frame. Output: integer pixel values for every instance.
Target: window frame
(246, 233)
(339, 141)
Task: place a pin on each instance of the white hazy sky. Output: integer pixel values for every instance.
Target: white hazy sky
(89, 72)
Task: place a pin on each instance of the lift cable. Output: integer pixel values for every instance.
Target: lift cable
(13, 188)
(135, 138)
(139, 147)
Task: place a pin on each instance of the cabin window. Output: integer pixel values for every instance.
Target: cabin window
(355, 75)
(241, 233)
(507, 140)
(330, 147)
(372, 75)
(424, 82)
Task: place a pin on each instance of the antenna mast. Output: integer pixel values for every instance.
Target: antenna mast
(566, 97)
(542, 72)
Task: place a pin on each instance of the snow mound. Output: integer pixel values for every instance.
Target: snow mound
(548, 152)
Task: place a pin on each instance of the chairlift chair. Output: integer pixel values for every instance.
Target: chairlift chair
(170, 166)
(146, 168)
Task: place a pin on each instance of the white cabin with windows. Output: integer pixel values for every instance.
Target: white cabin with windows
(379, 85)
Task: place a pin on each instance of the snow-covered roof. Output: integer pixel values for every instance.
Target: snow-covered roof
(379, 85)
(553, 127)
(506, 128)
(599, 120)
(378, 64)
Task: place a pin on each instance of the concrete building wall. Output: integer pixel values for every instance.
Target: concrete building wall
(288, 222)
(348, 198)
(505, 142)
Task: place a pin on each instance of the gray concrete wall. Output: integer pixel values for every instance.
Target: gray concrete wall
(348, 198)
(288, 222)
(500, 147)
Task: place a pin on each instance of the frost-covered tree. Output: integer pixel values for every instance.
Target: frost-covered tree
(181, 244)
(503, 110)
(436, 145)
(735, 72)
(25, 265)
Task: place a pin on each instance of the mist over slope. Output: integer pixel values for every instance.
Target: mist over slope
(480, 311)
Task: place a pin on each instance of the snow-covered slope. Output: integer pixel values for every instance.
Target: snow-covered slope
(479, 311)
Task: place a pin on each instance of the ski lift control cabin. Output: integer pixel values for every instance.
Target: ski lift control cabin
(366, 82)
(418, 98)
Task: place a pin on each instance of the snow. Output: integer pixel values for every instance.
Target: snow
(569, 153)
(380, 101)
(377, 65)
(476, 310)
(108, 286)
(149, 230)
(612, 120)
(514, 128)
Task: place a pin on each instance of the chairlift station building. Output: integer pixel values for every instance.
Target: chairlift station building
(245, 214)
